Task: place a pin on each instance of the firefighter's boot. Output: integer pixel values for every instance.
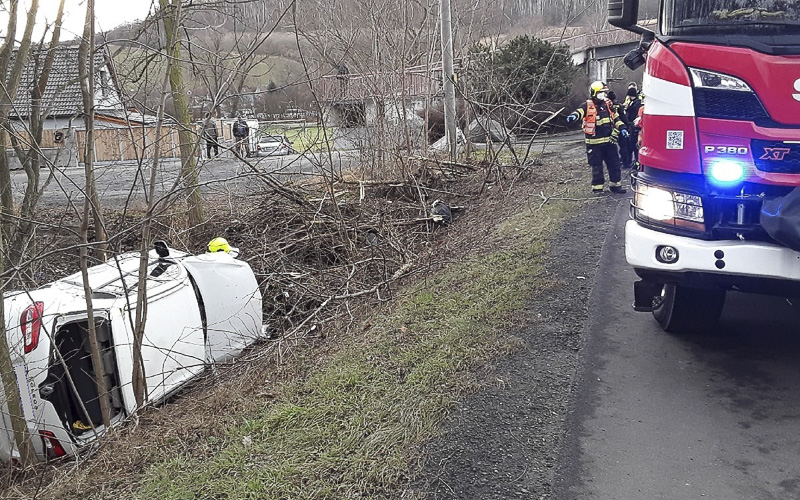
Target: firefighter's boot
(616, 187)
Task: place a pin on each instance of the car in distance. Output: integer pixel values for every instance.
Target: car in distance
(273, 145)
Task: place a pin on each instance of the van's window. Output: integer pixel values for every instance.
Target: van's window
(706, 17)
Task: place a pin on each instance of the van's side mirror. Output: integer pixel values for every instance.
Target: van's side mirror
(623, 13)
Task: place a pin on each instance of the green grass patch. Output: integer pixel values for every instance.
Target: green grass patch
(353, 427)
(303, 138)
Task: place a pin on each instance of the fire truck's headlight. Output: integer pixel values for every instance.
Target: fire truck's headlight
(668, 207)
(713, 80)
(688, 207)
(654, 203)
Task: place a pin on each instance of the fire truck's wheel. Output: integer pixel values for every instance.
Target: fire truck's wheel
(682, 309)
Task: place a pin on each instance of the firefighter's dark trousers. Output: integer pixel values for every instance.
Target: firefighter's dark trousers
(604, 153)
(625, 152)
(629, 149)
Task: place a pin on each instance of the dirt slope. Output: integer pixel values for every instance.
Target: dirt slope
(503, 441)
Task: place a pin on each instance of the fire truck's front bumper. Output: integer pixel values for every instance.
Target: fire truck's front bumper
(747, 265)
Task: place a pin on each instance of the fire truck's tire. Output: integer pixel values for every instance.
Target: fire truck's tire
(682, 309)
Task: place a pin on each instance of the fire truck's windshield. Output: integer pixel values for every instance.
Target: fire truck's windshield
(769, 17)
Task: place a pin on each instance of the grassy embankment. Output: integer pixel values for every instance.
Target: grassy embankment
(353, 426)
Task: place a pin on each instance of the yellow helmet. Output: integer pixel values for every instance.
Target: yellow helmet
(219, 245)
(596, 87)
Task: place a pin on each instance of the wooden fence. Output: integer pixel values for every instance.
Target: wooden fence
(122, 144)
(115, 144)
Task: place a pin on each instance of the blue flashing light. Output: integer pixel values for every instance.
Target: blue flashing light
(726, 172)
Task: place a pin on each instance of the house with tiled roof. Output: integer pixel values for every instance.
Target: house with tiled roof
(62, 96)
(120, 133)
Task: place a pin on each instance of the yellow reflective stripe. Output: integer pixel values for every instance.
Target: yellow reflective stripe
(581, 113)
(597, 187)
(597, 140)
(615, 184)
(603, 121)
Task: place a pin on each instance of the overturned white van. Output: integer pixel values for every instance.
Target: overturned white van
(200, 309)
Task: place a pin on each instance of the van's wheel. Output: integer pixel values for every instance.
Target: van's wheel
(685, 309)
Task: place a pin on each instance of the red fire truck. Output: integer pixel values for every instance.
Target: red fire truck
(716, 201)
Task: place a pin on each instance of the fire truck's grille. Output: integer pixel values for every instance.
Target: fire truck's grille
(728, 105)
(776, 156)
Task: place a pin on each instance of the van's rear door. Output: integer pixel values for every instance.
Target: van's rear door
(232, 301)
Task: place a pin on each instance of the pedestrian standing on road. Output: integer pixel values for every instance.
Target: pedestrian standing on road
(633, 103)
(210, 136)
(602, 127)
(240, 133)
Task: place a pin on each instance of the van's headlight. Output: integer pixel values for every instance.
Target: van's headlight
(668, 207)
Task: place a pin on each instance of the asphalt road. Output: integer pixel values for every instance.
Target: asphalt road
(219, 175)
(661, 416)
(223, 175)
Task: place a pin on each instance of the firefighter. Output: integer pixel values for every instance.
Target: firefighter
(602, 126)
(625, 147)
(633, 104)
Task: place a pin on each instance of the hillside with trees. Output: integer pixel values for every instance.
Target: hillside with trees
(262, 56)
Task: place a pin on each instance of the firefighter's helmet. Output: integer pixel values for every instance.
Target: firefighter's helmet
(222, 245)
(596, 87)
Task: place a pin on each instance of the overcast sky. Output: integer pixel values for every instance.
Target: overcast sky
(109, 14)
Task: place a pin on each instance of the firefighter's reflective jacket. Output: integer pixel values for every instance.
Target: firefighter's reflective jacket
(631, 106)
(601, 123)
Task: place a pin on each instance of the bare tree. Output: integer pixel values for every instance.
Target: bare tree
(91, 202)
(10, 72)
(171, 18)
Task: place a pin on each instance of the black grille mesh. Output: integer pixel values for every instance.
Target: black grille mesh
(728, 105)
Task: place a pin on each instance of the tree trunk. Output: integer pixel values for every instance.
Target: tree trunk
(20, 427)
(86, 56)
(10, 77)
(32, 158)
(10, 85)
(171, 18)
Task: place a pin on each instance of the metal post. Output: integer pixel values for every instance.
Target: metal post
(448, 77)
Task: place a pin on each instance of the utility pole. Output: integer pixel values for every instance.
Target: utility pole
(449, 78)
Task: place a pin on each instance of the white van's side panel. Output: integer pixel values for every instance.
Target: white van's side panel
(232, 302)
(39, 415)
